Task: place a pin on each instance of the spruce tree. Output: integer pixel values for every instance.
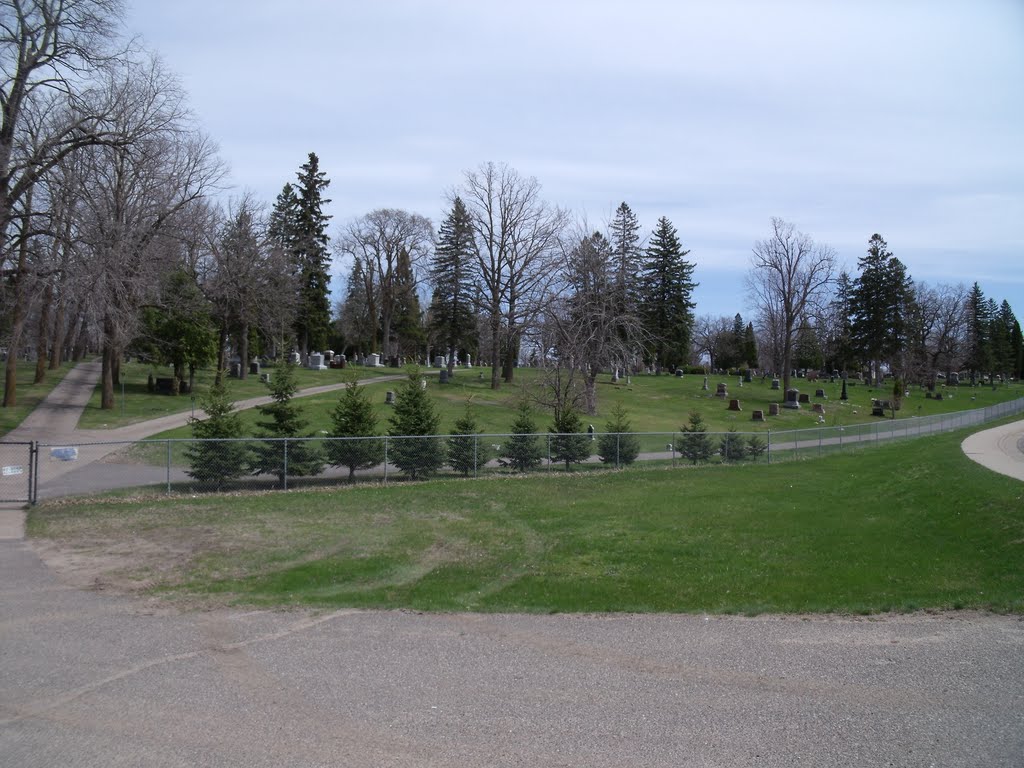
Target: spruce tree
(878, 306)
(625, 245)
(407, 323)
(414, 421)
(466, 452)
(618, 445)
(979, 344)
(216, 458)
(569, 444)
(355, 419)
(695, 443)
(278, 456)
(733, 446)
(452, 316)
(666, 307)
(299, 226)
(750, 346)
(523, 450)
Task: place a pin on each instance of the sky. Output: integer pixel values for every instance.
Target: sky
(902, 117)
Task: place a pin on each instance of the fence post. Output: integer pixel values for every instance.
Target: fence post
(284, 474)
(168, 467)
(33, 468)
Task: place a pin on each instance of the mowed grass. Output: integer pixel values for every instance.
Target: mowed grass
(903, 527)
(29, 395)
(652, 403)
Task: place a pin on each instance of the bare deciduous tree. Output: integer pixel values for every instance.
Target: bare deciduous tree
(518, 238)
(789, 276)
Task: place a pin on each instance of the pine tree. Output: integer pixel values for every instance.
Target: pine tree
(756, 447)
(299, 226)
(667, 308)
(452, 317)
(733, 446)
(878, 305)
(523, 449)
(217, 458)
(979, 344)
(1003, 353)
(1017, 351)
(407, 323)
(355, 419)
(618, 445)
(277, 455)
(695, 443)
(628, 256)
(414, 421)
(358, 321)
(750, 346)
(466, 452)
(569, 443)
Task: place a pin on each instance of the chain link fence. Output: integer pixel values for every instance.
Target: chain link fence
(199, 466)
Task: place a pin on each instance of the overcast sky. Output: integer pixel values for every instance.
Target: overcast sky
(845, 118)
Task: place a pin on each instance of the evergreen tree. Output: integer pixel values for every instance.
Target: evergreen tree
(756, 447)
(695, 443)
(667, 309)
(733, 446)
(523, 449)
(750, 346)
(569, 443)
(1017, 351)
(354, 418)
(211, 460)
(838, 342)
(414, 420)
(1003, 353)
(618, 445)
(878, 305)
(466, 453)
(807, 351)
(979, 344)
(407, 323)
(278, 456)
(358, 322)
(628, 256)
(299, 226)
(452, 316)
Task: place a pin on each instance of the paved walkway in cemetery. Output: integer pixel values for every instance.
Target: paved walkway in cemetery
(1001, 449)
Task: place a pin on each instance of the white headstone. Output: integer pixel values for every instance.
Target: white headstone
(316, 362)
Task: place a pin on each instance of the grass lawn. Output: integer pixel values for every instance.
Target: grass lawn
(902, 527)
(140, 405)
(29, 394)
(653, 403)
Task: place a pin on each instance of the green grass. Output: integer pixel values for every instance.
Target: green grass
(138, 404)
(29, 394)
(653, 403)
(902, 527)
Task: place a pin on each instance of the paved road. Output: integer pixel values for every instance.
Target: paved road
(96, 680)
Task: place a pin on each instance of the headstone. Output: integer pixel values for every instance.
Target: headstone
(820, 393)
(443, 376)
(773, 409)
(759, 415)
(844, 396)
(818, 408)
(954, 379)
(722, 392)
(734, 405)
(705, 387)
(374, 361)
(775, 384)
(679, 373)
(294, 358)
(389, 398)
(878, 407)
(469, 360)
(615, 376)
(792, 399)
(440, 362)
(748, 376)
(328, 355)
(805, 398)
(316, 362)
(236, 371)
(254, 367)
(265, 378)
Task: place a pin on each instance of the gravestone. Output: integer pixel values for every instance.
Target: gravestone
(328, 355)
(236, 371)
(757, 416)
(705, 387)
(843, 395)
(820, 393)
(265, 378)
(773, 409)
(805, 398)
(775, 384)
(442, 377)
(792, 399)
(734, 405)
(389, 398)
(818, 408)
(469, 360)
(254, 367)
(440, 362)
(954, 379)
(374, 361)
(748, 376)
(294, 358)
(316, 362)
(878, 407)
(722, 392)
(679, 373)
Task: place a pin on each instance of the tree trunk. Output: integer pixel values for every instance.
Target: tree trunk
(59, 331)
(222, 340)
(11, 371)
(495, 352)
(107, 391)
(243, 351)
(43, 335)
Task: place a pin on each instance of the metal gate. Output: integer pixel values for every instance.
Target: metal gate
(18, 466)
